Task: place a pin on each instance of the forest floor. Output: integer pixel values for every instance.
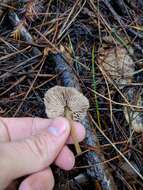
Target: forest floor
(103, 43)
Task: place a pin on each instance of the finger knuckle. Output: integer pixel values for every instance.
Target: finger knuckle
(39, 147)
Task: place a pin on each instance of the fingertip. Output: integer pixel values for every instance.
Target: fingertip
(41, 180)
(80, 133)
(65, 159)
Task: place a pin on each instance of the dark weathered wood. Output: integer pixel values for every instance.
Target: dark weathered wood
(26, 36)
(97, 170)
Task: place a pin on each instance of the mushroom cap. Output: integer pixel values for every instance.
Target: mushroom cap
(135, 118)
(136, 121)
(58, 97)
(118, 64)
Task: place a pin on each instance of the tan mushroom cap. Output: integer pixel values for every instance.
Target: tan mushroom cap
(136, 121)
(134, 118)
(58, 97)
(118, 64)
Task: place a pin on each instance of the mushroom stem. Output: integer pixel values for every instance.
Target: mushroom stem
(69, 116)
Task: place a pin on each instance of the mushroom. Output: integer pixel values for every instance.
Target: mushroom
(135, 118)
(66, 102)
(118, 64)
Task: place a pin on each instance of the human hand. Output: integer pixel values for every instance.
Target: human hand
(28, 146)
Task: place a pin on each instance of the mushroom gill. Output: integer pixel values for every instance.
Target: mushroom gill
(66, 102)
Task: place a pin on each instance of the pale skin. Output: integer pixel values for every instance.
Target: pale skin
(28, 146)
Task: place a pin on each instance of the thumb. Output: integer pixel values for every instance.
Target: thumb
(35, 153)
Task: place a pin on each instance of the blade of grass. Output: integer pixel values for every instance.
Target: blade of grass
(94, 86)
(120, 40)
